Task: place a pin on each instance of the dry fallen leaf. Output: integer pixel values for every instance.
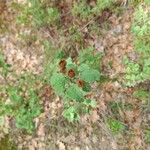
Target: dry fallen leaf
(114, 145)
(41, 130)
(94, 116)
(61, 146)
(31, 147)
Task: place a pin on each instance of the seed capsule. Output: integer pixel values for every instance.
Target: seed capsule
(80, 83)
(71, 73)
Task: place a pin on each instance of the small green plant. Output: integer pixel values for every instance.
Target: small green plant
(71, 80)
(20, 100)
(136, 2)
(144, 96)
(115, 126)
(117, 106)
(84, 11)
(102, 5)
(139, 71)
(4, 67)
(75, 35)
(133, 73)
(22, 103)
(148, 135)
(81, 9)
(38, 14)
(141, 94)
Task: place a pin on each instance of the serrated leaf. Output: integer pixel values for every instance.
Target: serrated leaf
(87, 74)
(70, 64)
(58, 82)
(90, 75)
(90, 58)
(75, 93)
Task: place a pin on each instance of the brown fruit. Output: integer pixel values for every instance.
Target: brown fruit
(62, 65)
(80, 83)
(71, 73)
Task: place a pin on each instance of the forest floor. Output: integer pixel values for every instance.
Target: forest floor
(22, 48)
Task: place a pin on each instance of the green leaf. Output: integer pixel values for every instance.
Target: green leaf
(87, 74)
(5, 67)
(89, 57)
(58, 82)
(71, 114)
(89, 102)
(102, 4)
(24, 120)
(75, 93)
(71, 64)
(14, 94)
(52, 15)
(115, 125)
(148, 135)
(59, 55)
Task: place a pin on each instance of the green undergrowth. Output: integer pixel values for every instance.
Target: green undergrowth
(148, 136)
(86, 11)
(116, 107)
(22, 104)
(115, 123)
(4, 67)
(138, 2)
(19, 98)
(144, 96)
(138, 71)
(72, 79)
(115, 126)
(37, 14)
